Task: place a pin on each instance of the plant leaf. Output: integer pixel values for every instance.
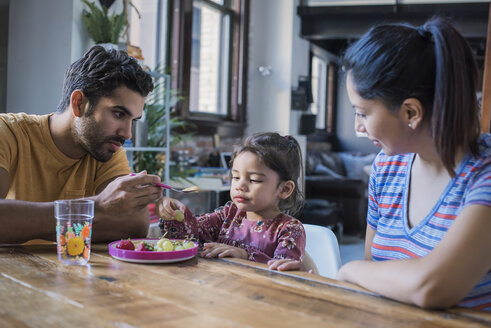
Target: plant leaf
(155, 111)
(101, 27)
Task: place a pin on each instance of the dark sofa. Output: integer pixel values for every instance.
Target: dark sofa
(336, 185)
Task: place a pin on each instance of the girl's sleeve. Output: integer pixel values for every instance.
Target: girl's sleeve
(188, 228)
(204, 228)
(255, 254)
(291, 241)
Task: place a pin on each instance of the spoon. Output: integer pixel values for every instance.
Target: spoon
(185, 190)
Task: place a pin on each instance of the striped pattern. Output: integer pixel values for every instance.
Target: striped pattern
(387, 211)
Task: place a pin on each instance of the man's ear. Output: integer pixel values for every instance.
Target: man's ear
(412, 111)
(287, 188)
(78, 102)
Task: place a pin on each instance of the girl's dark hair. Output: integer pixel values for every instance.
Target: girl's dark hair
(432, 63)
(284, 156)
(101, 71)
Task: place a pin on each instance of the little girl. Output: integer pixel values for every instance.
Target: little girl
(255, 224)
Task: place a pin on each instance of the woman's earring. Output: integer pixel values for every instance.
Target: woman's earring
(410, 125)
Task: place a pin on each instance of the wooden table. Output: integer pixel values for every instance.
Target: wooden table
(37, 291)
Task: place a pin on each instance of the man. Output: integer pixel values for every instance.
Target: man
(76, 153)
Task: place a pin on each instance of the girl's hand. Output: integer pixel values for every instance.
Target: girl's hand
(170, 209)
(223, 250)
(284, 264)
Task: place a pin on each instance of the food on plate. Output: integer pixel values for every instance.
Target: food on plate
(167, 245)
(125, 244)
(188, 244)
(144, 247)
(162, 245)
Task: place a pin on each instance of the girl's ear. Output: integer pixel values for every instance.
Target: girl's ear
(412, 109)
(286, 189)
(78, 102)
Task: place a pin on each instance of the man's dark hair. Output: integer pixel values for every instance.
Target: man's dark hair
(99, 72)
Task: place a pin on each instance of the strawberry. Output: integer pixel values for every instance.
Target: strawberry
(125, 244)
(144, 247)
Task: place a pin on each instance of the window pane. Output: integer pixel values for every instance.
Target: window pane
(209, 60)
(148, 23)
(319, 77)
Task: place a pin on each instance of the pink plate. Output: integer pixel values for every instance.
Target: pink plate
(151, 257)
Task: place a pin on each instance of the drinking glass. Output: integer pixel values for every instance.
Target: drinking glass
(74, 230)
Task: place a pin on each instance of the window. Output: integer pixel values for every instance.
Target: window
(319, 90)
(210, 59)
(204, 43)
(323, 75)
(208, 45)
(148, 30)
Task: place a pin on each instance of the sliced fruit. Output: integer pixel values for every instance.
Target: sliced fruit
(188, 244)
(144, 247)
(125, 244)
(178, 215)
(161, 242)
(167, 246)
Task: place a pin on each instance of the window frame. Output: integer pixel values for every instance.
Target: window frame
(323, 78)
(331, 79)
(233, 123)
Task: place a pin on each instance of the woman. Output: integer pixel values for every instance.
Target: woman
(414, 93)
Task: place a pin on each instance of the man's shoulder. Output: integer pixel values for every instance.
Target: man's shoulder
(22, 119)
(23, 129)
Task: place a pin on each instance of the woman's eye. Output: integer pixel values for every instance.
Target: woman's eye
(255, 181)
(235, 178)
(360, 115)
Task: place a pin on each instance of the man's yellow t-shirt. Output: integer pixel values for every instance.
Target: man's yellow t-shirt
(40, 172)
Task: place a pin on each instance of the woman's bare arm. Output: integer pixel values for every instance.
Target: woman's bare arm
(444, 276)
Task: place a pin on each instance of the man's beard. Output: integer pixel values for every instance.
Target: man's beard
(89, 136)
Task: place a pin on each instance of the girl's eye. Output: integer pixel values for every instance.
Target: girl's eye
(360, 115)
(255, 181)
(235, 178)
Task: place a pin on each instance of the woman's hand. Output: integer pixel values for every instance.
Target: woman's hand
(223, 250)
(170, 209)
(284, 264)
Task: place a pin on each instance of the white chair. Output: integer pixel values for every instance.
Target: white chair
(322, 247)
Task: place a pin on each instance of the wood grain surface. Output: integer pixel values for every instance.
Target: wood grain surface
(37, 291)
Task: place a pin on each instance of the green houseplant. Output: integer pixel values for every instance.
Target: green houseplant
(102, 27)
(155, 111)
